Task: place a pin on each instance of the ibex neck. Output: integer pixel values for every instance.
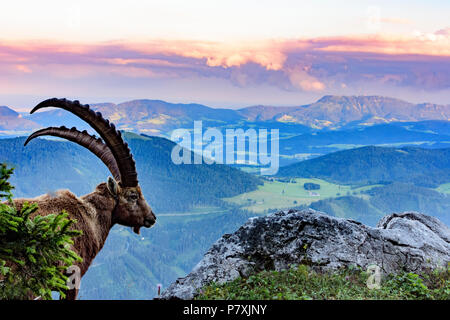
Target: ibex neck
(101, 222)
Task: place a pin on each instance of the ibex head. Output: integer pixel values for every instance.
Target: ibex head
(131, 208)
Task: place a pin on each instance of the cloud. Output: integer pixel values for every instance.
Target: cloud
(443, 32)
(438, 46)
(440, 36)
(215, 54)
(300, 78)
(22, 68)
(314, 65)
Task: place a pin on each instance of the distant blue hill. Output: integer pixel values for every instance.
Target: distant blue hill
(370, 165)
(329, 112)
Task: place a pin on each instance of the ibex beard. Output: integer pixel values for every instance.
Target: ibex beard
(117, 201)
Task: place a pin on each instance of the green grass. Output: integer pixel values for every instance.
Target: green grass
(444, 188)
(280, 195)
(302, 283)
(250, 169)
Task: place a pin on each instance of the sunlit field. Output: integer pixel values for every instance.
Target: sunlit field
(278, 194)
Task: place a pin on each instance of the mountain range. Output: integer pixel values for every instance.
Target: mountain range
(13, 122)
(338, 111)
(158, 117)
(189, 200)
(191, 214)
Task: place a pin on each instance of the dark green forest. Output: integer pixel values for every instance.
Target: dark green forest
(168, 250)
(373, 165)
(393, 197)
(161, 254)
(46, 166)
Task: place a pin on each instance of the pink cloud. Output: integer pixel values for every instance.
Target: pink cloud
(382, 45)
(300, 78)
(23, 68)
(215, 54)
(444, 32)
(310, 65)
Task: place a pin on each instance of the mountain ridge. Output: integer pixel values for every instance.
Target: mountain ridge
(10, 120)
(373, 164)
(159, 117)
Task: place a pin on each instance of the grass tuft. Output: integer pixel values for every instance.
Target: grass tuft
(303, 283)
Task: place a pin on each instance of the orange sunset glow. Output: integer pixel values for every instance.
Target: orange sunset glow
(226, 55)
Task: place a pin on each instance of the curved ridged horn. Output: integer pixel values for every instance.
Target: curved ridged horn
(106, 130)
(84, 139)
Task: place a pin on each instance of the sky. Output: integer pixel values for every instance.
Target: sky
(223, 53)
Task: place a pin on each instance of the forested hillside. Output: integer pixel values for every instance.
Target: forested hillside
(370, 183)
(45, 166)
(371, 165)
(369, 206)
(131, 266)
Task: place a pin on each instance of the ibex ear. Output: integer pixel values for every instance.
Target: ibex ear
(113, 187)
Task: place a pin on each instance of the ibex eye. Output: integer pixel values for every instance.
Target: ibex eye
(134, 197)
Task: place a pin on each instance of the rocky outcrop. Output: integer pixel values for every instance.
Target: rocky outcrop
(407, 241)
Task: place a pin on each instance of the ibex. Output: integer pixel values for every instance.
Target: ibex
(118, 201)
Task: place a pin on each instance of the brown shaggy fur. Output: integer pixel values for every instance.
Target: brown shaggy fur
(92, 212)
(95, 213)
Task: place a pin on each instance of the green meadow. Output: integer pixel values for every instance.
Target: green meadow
(282, 194)
(444, 188)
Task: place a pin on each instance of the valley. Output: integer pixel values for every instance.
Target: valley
(364, 169)
(283, 194)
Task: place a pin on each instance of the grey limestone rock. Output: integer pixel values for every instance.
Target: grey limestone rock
(407, 241)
